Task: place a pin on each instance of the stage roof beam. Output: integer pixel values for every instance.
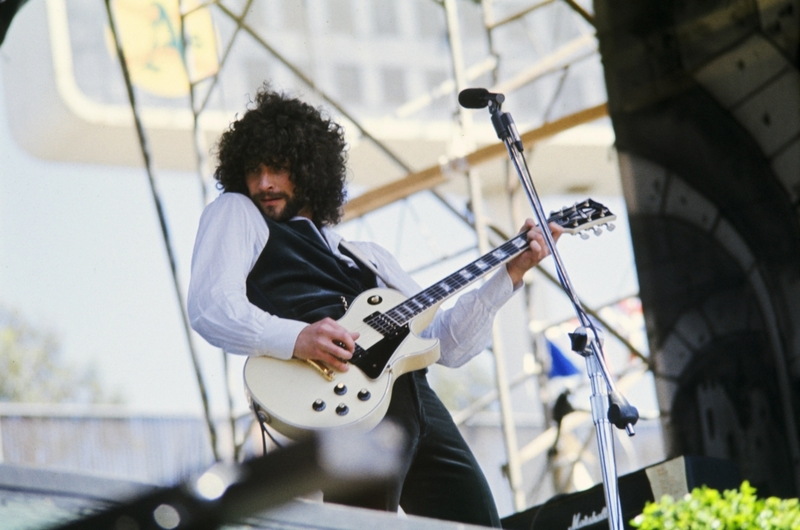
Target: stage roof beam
(436, 175)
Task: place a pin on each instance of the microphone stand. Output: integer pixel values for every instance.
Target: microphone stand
(608, 405)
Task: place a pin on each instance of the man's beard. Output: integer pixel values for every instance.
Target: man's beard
(291, 206)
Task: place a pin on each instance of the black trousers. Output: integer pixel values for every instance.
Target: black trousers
(441, 478)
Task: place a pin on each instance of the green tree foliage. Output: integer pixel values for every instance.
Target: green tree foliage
(32, 369)
(707, 509)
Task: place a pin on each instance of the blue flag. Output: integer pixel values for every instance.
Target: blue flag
(559, 364)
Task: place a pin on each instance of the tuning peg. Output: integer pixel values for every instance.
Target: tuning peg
(584, 235)
(610, 227)
(597, 230)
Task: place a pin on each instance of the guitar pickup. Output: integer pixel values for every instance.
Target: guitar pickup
(383, 324)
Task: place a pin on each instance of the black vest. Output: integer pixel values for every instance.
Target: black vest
(298, 277)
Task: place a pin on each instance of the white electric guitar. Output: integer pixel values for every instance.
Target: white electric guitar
(297, 397)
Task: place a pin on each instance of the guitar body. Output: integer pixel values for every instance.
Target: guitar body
(299, 397)
(290, 392)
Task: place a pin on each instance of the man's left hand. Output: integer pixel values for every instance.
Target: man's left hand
(537, 250)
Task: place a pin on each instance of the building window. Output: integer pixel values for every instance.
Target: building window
(292, 15)
(348, 83)
(430, 19)
(340, 17)
(393, 81)
(385, 19)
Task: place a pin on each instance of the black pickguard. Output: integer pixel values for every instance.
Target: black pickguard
(373, 360)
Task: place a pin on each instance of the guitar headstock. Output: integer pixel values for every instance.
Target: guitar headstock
(582, 216)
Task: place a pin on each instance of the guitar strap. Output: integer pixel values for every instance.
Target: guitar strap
(352, 249)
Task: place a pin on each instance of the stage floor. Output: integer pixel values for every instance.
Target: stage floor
(35, 498)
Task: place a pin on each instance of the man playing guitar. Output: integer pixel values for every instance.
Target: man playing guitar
(270, 278)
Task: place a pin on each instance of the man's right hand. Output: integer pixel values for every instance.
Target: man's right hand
(328, 342)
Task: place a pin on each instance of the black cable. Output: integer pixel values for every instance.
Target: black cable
(263, 438)
(276, 442)
(261, 420)
(212, 431)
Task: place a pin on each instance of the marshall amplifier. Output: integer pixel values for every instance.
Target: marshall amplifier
(586, 510)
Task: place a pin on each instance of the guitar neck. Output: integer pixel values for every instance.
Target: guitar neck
(402, 313)
(574, 219)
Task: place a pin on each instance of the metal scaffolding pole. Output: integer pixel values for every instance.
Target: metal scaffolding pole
(514, 469)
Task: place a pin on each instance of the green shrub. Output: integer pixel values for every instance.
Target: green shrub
(705, 508)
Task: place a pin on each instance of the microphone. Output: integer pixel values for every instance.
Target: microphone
(477, 98)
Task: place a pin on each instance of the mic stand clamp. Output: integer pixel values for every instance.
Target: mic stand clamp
(609, 407)
(620, 412)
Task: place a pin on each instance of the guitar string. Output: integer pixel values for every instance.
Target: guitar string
(455, 281)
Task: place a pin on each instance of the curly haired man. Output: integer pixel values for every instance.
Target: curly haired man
(269, 277)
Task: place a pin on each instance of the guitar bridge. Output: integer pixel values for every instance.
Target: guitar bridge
(326, 372)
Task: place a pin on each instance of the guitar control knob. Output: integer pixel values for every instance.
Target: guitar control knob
(374, 300)
(342, 409)
(318, 405)
(340, 389)
(364, 394)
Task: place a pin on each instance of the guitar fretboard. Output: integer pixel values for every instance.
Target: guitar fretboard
(573, 219)
(401, 314)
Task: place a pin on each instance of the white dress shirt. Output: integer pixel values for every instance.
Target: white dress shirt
(230, 239)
